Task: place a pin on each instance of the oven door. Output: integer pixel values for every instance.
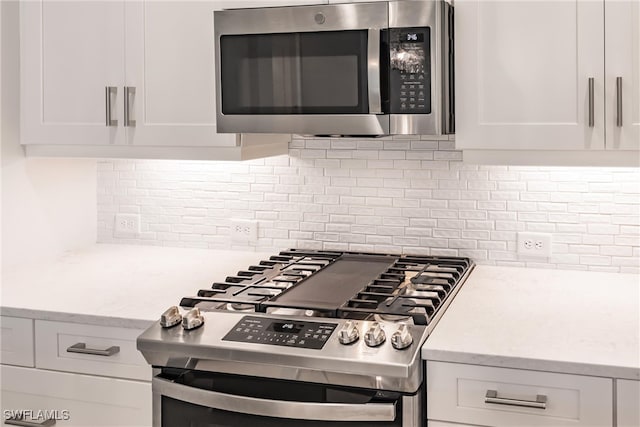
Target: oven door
(308, 70)
(203, 399)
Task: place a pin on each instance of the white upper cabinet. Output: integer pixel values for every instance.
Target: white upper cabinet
(622, 55)
(70, 52)
(531, 76)
(126, 79)
(523, 71)
(170, 64)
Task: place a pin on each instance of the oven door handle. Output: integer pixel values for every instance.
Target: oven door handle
(275, 408)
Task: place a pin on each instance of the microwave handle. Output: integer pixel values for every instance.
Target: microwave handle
(373, 67)
(274, 408)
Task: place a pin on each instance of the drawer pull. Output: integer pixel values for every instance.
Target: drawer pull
(19, 421)
(591, 102)
(82, 348)
(539, 403)
(619, 102)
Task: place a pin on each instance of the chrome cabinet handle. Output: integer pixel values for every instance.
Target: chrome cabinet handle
(109, 91)
(19, 421)
(539, 403)
(274, 408)
(591, 102)
(82, 349)
(619, 102)
(128, 91)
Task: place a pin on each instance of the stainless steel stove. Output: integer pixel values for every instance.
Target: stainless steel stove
(309, 338)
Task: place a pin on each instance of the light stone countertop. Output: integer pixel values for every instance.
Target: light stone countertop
(549, 320)
(116, 285)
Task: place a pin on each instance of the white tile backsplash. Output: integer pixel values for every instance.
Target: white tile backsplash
(384, 195)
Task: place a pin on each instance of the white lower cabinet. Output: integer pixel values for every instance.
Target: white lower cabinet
(628, 403)
(74, 399)
(500, 397)
(83, 375)
(16, 347)
(90, 349)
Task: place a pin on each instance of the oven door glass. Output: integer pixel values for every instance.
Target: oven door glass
(198, 399)
(295, 73)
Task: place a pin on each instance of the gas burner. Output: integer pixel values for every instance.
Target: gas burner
(348, 285)
(394, 318)
(240, 307)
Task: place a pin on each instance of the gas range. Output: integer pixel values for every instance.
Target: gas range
(324, 317)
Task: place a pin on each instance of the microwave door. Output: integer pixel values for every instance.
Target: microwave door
(308, 70)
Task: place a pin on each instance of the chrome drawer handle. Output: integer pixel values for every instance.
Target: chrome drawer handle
(19, 421)
(128, 91)
(539, 403)
(109, 91)
(619, 102)
(82, 348)
(592, 120)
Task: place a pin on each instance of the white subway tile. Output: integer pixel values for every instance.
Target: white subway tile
(509, 226)
(338, 228)
(390, 231)
(492, 245)
(384, 195)
(595, 260)
(344, 144)
(365, 154)
(424, 145)
(494, 215)
(420, 155)
(470, 234)
(451, 223)
(378, 240)
(541, 227)
(370, 145)
(603, 229)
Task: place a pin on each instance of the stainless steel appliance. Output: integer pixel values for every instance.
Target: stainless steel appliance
(359, 69)
(306, 338)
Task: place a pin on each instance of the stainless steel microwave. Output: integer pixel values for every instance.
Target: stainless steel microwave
(357, 69)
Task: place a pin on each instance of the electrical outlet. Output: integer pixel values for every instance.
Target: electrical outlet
(127, 225)
(534, 244)
(244, 230)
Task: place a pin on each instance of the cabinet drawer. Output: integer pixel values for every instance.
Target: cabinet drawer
(17, 341)
(95, 350)
(458, 393)
(627, 398)
(74, 399)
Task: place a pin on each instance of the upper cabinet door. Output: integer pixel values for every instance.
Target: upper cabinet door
(622, 55)
(70, 53)
(170, 65)
(523, 73)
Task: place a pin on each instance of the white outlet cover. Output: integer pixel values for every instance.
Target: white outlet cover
(534, 244)
(244, 231)
(126, 225)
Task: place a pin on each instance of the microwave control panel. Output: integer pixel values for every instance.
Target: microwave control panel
(409, 70)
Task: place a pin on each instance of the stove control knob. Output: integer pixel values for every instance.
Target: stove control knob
(349, 333)
(375, 335)
(171, 317)
(193, 319)
(401, 338)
